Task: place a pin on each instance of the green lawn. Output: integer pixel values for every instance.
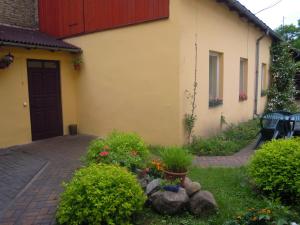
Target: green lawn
(231, 191)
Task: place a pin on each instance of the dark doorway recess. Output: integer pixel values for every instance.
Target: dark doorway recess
(45, 99)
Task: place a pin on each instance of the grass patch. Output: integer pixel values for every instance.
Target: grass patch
(228, 142)
(230, 189)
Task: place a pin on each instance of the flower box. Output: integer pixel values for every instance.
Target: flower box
(215, 102)
(243, 97)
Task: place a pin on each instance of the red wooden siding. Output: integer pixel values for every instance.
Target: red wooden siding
(64, 18)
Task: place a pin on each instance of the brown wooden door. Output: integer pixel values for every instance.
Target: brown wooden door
(45, 99)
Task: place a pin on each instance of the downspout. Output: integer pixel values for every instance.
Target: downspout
(257, 72)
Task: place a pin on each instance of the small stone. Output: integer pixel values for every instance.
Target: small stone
(166, 202)
(153, 186)
(187, 180)
(192, 188)
(203, 203)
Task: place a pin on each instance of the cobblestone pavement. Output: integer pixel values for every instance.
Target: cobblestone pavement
(31, 177)
(237, 160)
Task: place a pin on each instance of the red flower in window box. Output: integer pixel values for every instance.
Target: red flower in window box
(243, 97)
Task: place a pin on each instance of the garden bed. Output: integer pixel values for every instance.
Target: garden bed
(231, 191)
(230, 141)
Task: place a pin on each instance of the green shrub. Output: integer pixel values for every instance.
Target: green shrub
(100, 194)
(125, 149)
(228, 142)
(275, 168)
(176, 159)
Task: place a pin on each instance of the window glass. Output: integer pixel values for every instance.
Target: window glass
(50, 65)
(264, 85)
(243, 79)
(35, 64)
(215, 79)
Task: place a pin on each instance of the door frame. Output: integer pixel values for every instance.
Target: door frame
(61, 122)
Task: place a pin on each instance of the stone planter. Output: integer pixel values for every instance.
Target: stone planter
(173, 176)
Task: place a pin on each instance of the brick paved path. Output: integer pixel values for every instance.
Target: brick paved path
(237, 160)
(16, 170)
(47, 163)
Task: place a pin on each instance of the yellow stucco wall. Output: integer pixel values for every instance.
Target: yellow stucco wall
(134, 78)
(14, 117)
(129, 81)
(221, 30)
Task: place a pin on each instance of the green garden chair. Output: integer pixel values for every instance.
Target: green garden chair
(272, 127)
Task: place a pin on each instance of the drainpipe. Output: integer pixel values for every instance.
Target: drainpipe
(255, 114)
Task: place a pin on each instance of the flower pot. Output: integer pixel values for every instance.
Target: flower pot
(173, 176)
(77, 67)
(73, 129)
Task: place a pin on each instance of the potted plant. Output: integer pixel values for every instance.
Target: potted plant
(176, 162)
(77, 63)
(6, 60)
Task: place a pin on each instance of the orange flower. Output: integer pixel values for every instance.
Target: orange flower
(254, 218)
(106, 147)
(134, 153)
(157, 164)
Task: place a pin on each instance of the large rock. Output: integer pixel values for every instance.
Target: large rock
(203, 203)
(143, 182)
(191, 187)
(166, 202)
(153, 186)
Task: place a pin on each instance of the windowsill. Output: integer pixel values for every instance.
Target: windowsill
(243, 100)
(215, 103)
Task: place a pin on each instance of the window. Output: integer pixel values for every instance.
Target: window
(243, 80)
(264, 79)
(215, 79)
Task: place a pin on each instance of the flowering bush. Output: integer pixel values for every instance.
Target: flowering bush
(124, 149)
(281, 95)
(100, 194)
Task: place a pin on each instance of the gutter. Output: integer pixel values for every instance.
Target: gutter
(257, 71)
(30, 46)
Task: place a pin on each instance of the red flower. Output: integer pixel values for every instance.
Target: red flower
(103, 154)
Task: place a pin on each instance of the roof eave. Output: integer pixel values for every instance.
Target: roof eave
(234, 5)
(31, 46)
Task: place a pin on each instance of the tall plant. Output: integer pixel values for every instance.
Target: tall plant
(281, 95)
(190, 118)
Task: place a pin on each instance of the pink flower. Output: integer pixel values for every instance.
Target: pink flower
(103, 154)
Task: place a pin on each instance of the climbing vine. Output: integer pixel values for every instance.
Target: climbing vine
(190, 118)
(281, 95)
